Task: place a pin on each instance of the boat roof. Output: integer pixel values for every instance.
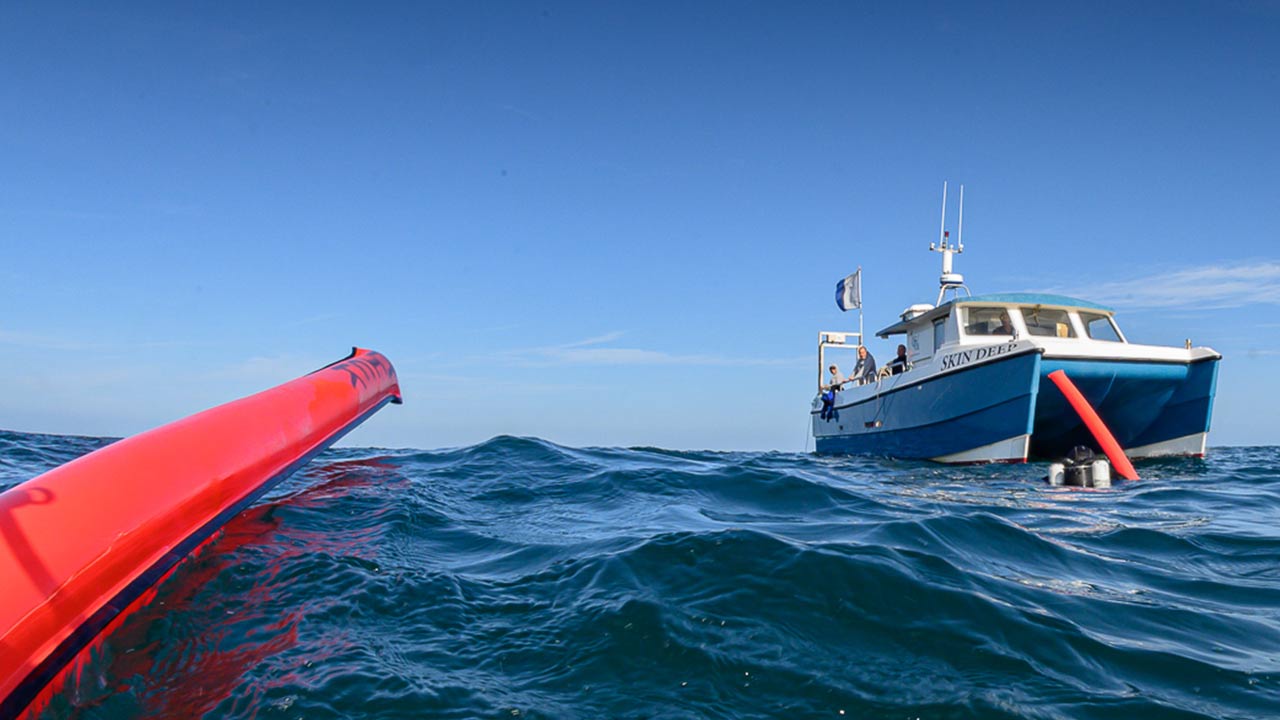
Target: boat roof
(1014, 298)
(1023, 298)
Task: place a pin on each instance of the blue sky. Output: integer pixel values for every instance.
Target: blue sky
(609, 224)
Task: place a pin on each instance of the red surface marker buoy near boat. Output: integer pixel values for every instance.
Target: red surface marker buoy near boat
(1099, 429)
(86, 543)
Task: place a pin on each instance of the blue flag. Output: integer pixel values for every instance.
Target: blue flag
(849, 292)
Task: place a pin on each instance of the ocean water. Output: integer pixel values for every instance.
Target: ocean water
(521, 579)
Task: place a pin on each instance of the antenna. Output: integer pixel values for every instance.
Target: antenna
(949, 280)
(942, 224)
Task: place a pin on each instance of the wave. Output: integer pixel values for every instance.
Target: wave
(520, 578)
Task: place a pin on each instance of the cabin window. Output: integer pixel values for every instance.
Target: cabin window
(1099, 327)
(988, 321)
(1048, 322)
(939, 332)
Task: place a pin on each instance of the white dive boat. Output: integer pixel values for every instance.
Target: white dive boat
(975, 392)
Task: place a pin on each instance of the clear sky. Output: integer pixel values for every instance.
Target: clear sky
(605, 223)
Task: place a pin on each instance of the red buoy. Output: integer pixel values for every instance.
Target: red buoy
(1105, 439)
(84, 544)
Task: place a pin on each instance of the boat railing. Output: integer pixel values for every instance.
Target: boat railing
(832, 338)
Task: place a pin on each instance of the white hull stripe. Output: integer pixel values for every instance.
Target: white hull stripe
(1193, 444)
(1014, 448)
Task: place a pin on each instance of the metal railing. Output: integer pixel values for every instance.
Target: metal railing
(831, 338)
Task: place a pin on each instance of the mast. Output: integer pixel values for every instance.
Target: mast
(861, 340)
(942, 223)
(949, 280)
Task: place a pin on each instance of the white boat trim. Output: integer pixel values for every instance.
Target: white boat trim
(1088, 349)
(1193, 444)
(1014, 449)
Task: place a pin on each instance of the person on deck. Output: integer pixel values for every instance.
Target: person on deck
(865, 371)
(829, 411)
(835, 381)
(900, 364)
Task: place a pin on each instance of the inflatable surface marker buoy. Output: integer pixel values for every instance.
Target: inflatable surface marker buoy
(1100, 431)
(85, 544)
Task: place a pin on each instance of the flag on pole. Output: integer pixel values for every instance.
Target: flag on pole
(849, 292)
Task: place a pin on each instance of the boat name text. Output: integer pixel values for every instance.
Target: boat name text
(965, 357)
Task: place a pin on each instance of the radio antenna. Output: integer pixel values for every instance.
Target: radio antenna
(942, 224)
(949, 280)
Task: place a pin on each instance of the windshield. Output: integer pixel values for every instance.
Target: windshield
(988, 321)
(1100, 327)
(1048, 322)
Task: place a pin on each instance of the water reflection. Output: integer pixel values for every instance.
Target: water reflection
(220, 631)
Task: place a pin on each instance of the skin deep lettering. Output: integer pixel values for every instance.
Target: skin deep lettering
(956, 360)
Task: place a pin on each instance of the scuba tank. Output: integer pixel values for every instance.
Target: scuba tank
(1081, 469)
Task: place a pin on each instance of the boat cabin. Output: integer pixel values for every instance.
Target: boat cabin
(981, 319)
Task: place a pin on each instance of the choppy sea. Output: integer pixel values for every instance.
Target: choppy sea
(522, 579)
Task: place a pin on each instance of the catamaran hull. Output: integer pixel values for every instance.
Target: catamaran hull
(980, 413)
(995, 412)
(1153, 408)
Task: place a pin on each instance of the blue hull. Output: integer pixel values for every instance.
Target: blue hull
(947, 414)
(1142, 402)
